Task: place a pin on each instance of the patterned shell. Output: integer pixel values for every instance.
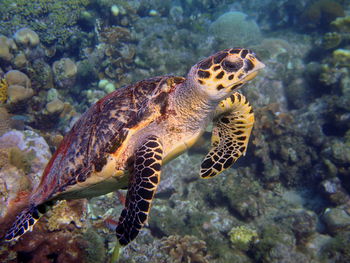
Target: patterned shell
(99, 132)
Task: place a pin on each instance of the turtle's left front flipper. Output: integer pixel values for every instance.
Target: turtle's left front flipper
(26, 220)
(143, 184)
(233, 124)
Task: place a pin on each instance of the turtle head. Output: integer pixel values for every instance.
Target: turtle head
(224, 72)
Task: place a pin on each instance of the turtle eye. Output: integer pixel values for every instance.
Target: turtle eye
(232, 66)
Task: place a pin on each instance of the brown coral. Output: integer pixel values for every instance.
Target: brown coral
(3, 90)
(19, 87)
(56, 238)
(322, 12)
(5, 122)
(331, 40)
(43, 247)
(342, 24)
(65, 71)
(114, 35)
(185, 249)
(5, 47)
(65, 213)
(16, 77)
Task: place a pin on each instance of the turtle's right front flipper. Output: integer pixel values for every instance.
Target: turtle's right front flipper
(25, 221)
(234, 121)
(143, 184)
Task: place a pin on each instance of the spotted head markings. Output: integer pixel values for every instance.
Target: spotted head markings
(226, 68)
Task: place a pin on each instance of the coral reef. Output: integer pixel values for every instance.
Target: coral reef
(337, 249)
(334, 191)
(322, 13)
(5, 121)
(16, 77)
(19, 87)
(27, 37)
(234, 29)
(331, 40)
(242, 236)
(3, 90)
(52, 20)
(23, 157)
(61, 236)
(337, 220)
(341, 57)
(64, 213)
(94, 248)
(5, 47)
(41, 246)
(342, 24)
(65, 72)
(185, 249)
(290, 192)
(55, 106)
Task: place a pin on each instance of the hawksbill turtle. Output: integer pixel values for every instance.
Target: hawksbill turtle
(124, 139)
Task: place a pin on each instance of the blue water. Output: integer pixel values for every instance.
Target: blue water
(286, 200)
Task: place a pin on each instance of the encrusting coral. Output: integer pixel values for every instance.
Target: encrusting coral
(242, 236)
(55, 106)
(26, 36)
(64, 213)
(19, 86)
(3, 90)
(65, 71)
(54, 21)
(322, 12)
(185, 249)
(331, 40)
(233, 28)
(5, 46)
(341, 57)
(342, 24)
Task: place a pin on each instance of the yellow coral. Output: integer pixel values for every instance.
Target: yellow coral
(342, 24)
(63, 214)
(3, 90)
(242, 236)
(341, 57)
(331, 40)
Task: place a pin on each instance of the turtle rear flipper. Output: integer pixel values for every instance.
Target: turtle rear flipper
(230, 136)
(143, 184)
(25, 221)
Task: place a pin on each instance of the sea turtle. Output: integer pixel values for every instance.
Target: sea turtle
(124, 139)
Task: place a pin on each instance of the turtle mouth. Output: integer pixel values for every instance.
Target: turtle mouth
(255, 67)
(258, 65)
(251, 75)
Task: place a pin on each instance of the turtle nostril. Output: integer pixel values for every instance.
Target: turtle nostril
(232, 66)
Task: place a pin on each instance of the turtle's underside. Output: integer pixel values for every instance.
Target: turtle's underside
(125, 138)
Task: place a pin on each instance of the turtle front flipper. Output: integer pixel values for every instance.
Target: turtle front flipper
(25, 221)
(143, 184)
(232, 127)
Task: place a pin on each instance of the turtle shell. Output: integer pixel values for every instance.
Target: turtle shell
(100, 131)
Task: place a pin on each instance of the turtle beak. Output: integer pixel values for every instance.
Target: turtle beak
(258, 65)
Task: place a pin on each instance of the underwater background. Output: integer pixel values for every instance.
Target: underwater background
(286, 201)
